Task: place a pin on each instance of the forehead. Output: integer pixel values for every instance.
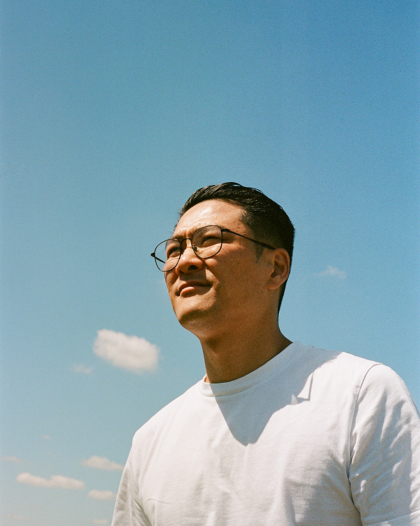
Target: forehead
(211, 212)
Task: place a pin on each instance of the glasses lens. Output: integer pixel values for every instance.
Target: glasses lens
(207, 241)
(167, 254)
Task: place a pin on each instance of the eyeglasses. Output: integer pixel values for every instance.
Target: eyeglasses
(206, 243)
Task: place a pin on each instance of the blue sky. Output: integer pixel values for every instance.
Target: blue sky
(112, 114)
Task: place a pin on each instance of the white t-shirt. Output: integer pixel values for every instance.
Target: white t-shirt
(311, 438)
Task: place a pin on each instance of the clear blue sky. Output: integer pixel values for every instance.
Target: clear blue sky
(112, 114)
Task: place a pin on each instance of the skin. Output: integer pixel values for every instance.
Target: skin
(229, 301)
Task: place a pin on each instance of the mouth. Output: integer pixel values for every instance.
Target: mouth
(192, 287)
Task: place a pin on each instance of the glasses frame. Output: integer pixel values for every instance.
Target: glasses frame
(181, 241)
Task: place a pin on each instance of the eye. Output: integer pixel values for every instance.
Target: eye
(173, 249)
(208, 240)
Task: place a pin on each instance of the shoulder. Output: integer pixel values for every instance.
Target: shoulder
(340, 372)
(383, 391)
(331, 365)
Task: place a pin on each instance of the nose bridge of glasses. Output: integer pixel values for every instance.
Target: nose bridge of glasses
(184, 245)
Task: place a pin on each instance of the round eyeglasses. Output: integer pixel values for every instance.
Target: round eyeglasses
(206, 243)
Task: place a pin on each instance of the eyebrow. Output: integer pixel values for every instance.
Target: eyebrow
(180, 238)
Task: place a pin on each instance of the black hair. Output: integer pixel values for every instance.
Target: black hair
(267, 219)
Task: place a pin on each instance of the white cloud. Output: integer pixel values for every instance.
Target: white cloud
(127, 352)
(46, 437)
(101, 495)
(100, 521)
(82, 369)
(12, 459)
(56, 481)
(333, 272)
(16, 517)
(102, 463)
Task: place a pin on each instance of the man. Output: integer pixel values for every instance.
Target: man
(277, 433)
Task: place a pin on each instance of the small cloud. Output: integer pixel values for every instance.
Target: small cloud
(82, 369)
(127, 352)
(56, 481)
(16, 517)
(101, 495)
(12, 459)
(333, 272)
(102, 463)
(46, 437)
(100, 521)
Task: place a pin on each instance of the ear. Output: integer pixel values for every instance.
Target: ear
(280, 269)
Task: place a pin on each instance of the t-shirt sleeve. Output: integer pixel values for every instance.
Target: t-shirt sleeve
(385, 451)
(127, 511)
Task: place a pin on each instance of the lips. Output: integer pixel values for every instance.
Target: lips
(191, 286)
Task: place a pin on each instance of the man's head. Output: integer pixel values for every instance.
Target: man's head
(227, 262)
(267, 220)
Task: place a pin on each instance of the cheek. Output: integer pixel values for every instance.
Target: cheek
(235, 279)
(244, 280)
(170, 285)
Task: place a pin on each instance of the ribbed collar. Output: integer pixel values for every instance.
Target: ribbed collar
(262, 373)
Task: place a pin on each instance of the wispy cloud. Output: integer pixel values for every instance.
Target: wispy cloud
(12, 459)
(16, 517)
(333, 272)
(82, 369)
(100, 521)
(101, 495)
(46, 437)
(56, 481)
(102, 463)
(127, 352)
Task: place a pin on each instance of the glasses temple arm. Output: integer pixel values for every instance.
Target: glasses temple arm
(154, 256)
(249, 238)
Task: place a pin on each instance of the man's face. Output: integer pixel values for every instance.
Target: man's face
(209, 295)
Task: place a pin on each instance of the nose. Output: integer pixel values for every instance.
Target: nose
(189, 259)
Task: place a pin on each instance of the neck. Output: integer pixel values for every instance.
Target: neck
(230, 356)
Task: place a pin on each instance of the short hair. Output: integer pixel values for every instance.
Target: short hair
(267, 219)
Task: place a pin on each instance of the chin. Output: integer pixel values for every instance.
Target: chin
(189, 317)
(195, 317)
